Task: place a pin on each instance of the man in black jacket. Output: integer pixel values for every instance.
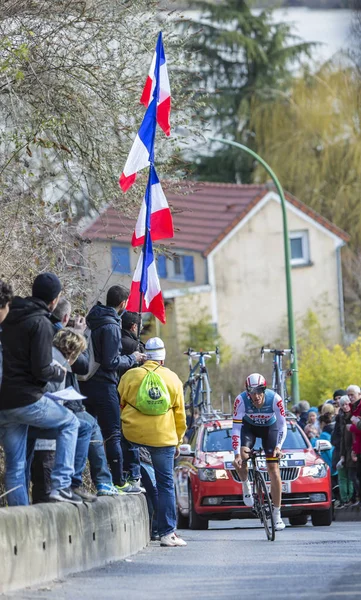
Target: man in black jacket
(27, 338)
(101, 389)
(130, 324)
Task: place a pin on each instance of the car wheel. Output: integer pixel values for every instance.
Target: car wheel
(194, 519)
(322, 517)
(298, 520)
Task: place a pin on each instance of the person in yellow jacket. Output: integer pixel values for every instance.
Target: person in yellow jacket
(161, 434)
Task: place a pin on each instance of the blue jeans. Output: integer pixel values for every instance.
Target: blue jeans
(164, 498)
(97, 459)
(81, 449)
(131, 460)
(150, 485)
(103, 403)
(14, 423)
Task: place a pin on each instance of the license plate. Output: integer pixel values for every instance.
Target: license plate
(286, 487)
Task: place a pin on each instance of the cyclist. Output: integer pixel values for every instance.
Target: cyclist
(259, 413)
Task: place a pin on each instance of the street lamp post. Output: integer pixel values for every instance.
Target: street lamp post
(286, 243)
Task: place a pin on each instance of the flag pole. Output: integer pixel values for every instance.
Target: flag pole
(148, 194)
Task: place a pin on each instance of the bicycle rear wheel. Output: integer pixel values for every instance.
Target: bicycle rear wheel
(189, 392)
(265, 506)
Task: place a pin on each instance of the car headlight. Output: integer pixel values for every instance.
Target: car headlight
(212, 474)
(315, 471)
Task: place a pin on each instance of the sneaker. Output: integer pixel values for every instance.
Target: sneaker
(84, 495)
(155, 537)
(128, 489)
(65, 495)
(172, 539)
(107, 489)
(247, 493)
(279, 524)
(136, 483)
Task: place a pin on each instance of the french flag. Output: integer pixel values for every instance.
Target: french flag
(163, 94)
(146, 286)
(161, 222)
(142, 152)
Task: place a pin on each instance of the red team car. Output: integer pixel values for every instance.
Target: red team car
(208, 487)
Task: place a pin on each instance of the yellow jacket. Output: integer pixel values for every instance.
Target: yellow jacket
(152, 430)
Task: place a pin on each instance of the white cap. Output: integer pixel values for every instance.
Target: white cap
(154, 349)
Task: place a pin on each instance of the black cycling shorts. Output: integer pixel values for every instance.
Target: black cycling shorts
(268, 435)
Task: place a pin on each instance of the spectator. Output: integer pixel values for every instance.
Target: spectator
(27, 346)
(130, 323)
(67, 345)
(354, 394)
(312, 418)
(312, 433)
(161, 434)
(101, 389)
(346, 468)
(6, 296)
(337, 394)
(329, 409)
(99, 470)
(303, 407)
(326, 427)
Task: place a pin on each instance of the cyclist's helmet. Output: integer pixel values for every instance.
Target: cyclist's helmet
(256, 383)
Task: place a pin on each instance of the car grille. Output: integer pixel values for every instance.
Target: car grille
(287, 499)
(287, 474)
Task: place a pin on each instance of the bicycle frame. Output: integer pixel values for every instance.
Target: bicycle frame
(279, 374)
(262, 502)
(198, 374)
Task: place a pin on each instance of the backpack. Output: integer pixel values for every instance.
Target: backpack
(93, 365)
(153, 396)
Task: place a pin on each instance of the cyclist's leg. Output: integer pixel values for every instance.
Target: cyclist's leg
(248, 439)
(269, 441)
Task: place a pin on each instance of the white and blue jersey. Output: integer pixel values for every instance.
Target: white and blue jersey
(245, 412)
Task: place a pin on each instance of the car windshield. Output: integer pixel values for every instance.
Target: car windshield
(220, 440)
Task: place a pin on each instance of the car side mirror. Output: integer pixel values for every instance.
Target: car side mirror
(322, 445)
(185, 450)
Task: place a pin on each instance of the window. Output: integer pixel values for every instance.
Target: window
(181, 267)
(120, 260)
(300, 252)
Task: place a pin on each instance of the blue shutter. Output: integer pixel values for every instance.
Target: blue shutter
(188, 267)
(120, 260)
(162, 266)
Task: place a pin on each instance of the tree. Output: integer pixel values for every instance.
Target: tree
(238, 56)
(71, 75)
(312, 139)
(324, 368)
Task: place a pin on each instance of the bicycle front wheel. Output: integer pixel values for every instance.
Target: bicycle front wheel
(265, 506)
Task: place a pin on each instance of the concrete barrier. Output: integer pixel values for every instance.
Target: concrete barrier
(47, 541)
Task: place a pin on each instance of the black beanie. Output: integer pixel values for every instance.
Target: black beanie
(46, 287)
(339, 393)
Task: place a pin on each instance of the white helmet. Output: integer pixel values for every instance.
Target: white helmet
(255, 383)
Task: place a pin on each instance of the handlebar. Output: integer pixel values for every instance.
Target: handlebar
(192, 354)
(282, 352)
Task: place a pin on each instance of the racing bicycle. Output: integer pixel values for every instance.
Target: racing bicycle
(262, 507)
(279, 374)
(197, 389)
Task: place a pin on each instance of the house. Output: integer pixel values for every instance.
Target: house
(229, 262)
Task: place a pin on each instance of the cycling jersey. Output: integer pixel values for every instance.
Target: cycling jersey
(270, 413)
